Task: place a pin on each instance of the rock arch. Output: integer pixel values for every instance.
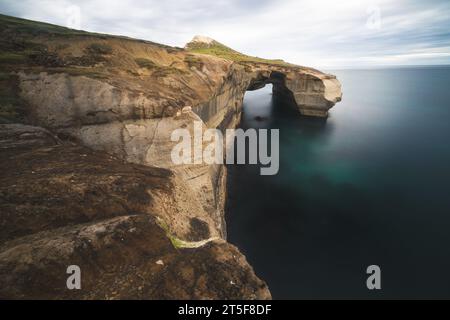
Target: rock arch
(311, 92)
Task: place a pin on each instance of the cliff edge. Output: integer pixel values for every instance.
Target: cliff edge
(88, 178)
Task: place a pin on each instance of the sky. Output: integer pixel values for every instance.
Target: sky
(316, 33)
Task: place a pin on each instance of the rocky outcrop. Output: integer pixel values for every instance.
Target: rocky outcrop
(309, 91)
(124, 98)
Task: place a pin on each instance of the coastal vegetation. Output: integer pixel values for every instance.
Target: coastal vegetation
(220, 50)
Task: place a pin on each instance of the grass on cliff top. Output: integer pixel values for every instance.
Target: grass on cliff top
(12, 58)
(99, 49)
(222, 51)
(11, 105)
(34, 28)
(157, 70)
(17, 27)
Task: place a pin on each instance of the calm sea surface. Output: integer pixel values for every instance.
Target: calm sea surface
(371, 185)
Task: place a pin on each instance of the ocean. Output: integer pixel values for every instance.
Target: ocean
(370, 185)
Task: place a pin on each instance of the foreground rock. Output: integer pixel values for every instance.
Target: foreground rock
(62, 204)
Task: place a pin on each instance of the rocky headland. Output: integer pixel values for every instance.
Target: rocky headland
(87, 178)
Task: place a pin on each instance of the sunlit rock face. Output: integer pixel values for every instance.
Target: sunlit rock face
(132, 108)
(310, 92)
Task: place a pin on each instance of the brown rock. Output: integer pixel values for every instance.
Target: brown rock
(63, 204)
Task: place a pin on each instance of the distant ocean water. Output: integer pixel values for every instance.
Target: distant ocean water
(370, 185)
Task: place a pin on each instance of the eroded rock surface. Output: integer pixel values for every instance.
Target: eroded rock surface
(63, 204)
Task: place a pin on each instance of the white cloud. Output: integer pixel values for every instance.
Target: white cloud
(309, 32)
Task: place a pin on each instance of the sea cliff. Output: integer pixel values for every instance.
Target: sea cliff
(88, 177)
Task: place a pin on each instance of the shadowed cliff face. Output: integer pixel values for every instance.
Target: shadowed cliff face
(125, 97)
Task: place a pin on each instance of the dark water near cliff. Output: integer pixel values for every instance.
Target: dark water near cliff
(371, 185)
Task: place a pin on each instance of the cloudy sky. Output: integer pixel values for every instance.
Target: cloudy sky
(318, 33)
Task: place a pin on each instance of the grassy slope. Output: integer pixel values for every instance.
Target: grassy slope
(17, 38)
(35, 28)
(23, 46)
(219, 50)
(17, 49)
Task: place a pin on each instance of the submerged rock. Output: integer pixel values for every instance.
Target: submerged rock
(259, 118)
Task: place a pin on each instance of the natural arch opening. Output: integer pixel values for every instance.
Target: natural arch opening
(279, 89)
(257, 108)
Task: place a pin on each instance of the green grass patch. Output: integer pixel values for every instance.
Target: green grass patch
(219, 50)
(4, 76)
(163, 71)
(11, 105)
(9, 113)
(80, 71)
(193, 61)
(12, 58)
(177, 243)
(62, 46)
(158, 70)
(145, 63)
(99, 48)
(34, 28)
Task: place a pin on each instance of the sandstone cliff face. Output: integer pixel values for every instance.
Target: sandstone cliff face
(133, 126)
(125, 97)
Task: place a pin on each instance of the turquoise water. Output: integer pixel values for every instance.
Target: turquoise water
(370, 185)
